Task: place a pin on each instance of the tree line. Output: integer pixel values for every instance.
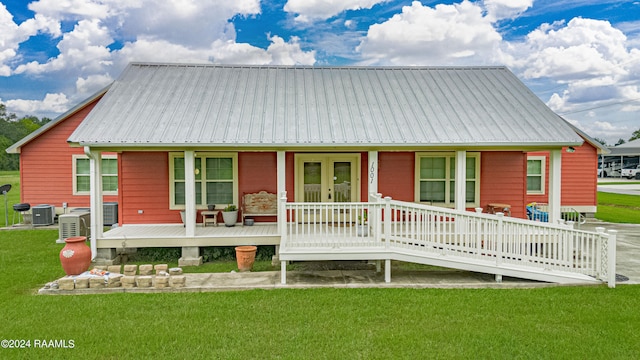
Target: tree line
(13, 129)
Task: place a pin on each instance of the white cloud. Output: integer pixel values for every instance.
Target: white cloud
(279, 52)
(443, 35)
(87, 86)
(599, 68)
(65, 9)
(506, 9)
(52, 103)
(12, 34)
(289, 53)
(190, 23)
(82, 50)
(309, 10)
(157, 50)
(583, 46)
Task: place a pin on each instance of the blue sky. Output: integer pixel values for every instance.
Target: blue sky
(580, 57)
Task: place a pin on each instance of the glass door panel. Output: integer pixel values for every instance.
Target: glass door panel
(342, 181)
(312, 173)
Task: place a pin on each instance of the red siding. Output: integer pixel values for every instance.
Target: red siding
(257, 171)
(579, 177)
(46, 166)
(144, 185)
(395, 175)
(503, 179)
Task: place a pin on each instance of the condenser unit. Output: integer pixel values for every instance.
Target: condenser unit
(43, 215)
(74, 224)
(110, 213)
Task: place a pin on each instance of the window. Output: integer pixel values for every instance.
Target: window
(215, 177)
(535, 174)
(436, 178)
(81, 184)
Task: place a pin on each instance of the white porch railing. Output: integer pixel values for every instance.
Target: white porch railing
(388, 228)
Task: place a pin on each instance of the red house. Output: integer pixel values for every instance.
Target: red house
(186, 136)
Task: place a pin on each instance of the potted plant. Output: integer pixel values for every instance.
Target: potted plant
(230, 215)
(363, 226)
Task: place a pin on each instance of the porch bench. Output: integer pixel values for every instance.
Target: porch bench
(259, 204)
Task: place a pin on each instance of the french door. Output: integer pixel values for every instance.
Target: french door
(327, 178)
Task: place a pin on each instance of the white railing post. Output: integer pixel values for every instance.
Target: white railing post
(282, 228)
(387, 221)
(599, 254)
(499, 242)
(611, 261)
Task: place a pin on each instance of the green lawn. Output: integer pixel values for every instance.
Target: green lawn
(618, 208)
(13, 196)
(557, 322)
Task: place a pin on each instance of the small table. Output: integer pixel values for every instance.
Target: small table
(498, 207)
(210, 217)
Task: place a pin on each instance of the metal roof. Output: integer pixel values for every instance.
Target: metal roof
(630, 148)
(275, 106)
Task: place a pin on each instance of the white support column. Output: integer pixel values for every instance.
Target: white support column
(190, 193)
(461, 180)
(555, 169)
(281, 172)
(373, 173)
(96, 201)
(282, 187)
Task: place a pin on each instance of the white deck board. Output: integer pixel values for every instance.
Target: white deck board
(167, 235)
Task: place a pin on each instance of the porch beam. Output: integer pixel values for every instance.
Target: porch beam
(190, 193)
(372, 171)
(555, 169)
(96, 200)
(461, 180)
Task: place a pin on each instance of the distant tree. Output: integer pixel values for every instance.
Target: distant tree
(620, 142)
(13, 129)
(635, 135)
(601, 141)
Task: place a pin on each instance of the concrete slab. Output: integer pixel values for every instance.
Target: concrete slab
(627, 249)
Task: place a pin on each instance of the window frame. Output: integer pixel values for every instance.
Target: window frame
(203, 181)
(542, 175)
(449, 178)
(74, 165)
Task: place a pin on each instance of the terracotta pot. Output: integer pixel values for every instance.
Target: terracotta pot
(245, 256)
(75, 256)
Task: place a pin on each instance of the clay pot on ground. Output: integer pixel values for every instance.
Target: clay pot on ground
(75, 256)
(245, 257)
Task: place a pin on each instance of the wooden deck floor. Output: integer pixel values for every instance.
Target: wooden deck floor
(173, 235)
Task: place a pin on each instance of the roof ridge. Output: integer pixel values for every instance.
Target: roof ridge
(346, 67)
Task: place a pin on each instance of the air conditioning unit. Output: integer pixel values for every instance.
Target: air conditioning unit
(74, 224)
(43, 215)
(110, 213)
